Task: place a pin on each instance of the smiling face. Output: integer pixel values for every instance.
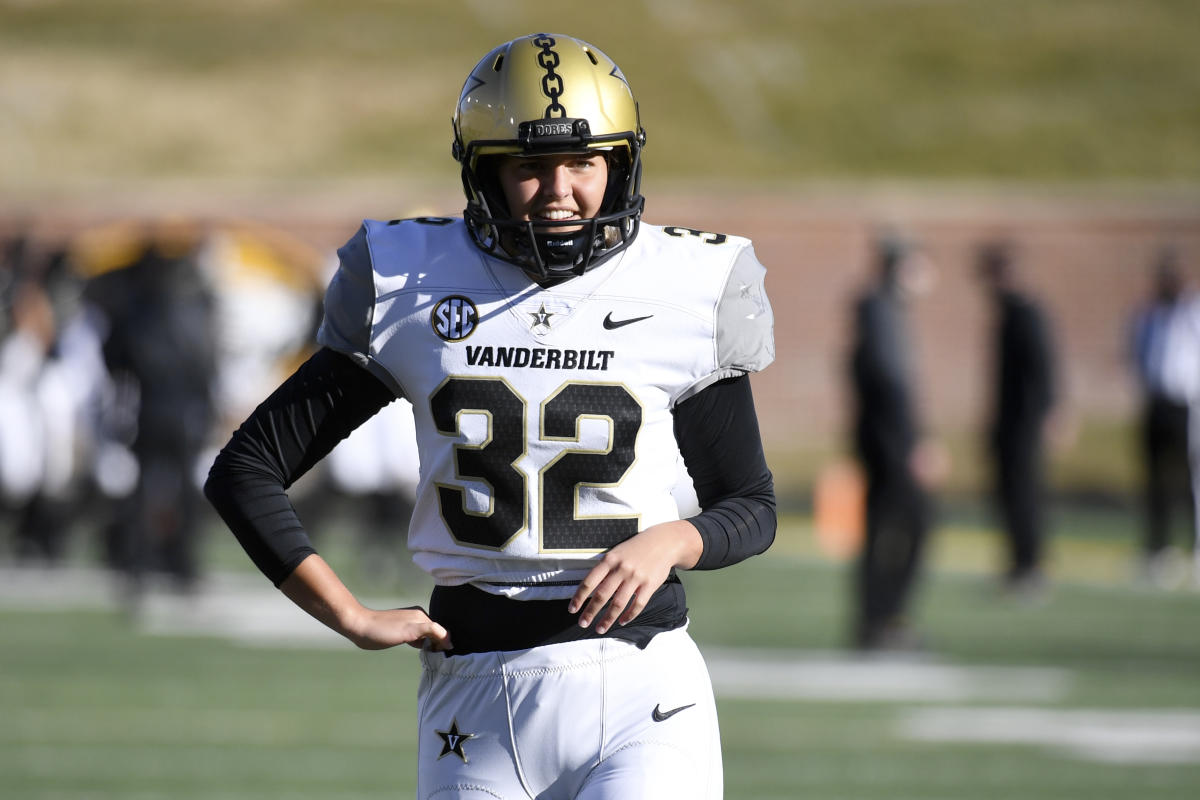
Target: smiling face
(554, 188)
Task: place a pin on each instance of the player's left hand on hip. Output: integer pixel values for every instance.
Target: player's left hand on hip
(620, 585)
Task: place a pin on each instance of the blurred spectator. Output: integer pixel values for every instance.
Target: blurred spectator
(159, 346)
(1165, 348)
(268, 288)
(1023, 394)
(888, 442)
(51, 377)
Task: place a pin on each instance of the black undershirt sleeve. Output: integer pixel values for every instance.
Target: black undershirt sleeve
(718, 436)
(305, 418)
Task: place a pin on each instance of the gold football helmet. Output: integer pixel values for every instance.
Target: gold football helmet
(540, 94)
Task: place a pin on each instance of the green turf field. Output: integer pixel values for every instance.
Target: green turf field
(1091, 694)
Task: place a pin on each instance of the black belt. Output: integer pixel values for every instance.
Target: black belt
(482, 622)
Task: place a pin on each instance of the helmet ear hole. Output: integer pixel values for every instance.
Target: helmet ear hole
(487, 179)
(618, 179)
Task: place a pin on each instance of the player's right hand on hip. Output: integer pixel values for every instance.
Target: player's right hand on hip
(411, 626)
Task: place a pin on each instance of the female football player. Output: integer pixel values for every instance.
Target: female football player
(560, 355)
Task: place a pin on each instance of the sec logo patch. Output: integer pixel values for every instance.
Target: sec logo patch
(454, 318)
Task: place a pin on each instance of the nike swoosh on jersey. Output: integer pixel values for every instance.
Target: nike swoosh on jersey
(613, 324)
(659, 716)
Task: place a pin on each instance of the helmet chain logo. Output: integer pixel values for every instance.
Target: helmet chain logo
(552, 85)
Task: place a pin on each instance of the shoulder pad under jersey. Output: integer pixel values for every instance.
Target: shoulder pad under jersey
(350, 301)
(745, 322)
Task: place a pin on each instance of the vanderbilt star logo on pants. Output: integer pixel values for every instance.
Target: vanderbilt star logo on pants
(452, 741)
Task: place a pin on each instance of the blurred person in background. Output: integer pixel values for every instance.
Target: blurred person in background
(25, 355)
(1023, 395)
(1165, 349)
(51, 381)
(159, 345)
(267, 288)
(898, 461)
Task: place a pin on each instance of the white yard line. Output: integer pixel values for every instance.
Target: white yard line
(808, 675)
(1137, 736)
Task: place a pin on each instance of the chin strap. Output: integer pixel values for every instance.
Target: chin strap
(563, 251)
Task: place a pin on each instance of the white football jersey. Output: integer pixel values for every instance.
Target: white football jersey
(543, 415)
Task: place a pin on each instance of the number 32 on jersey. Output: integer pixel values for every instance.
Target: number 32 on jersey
(494, 462)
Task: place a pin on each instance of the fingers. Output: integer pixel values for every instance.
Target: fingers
(609, 596)
(437, 637)
(429, 631)
(636, 605)
(586, 587)
(411, 626)
(607, 611)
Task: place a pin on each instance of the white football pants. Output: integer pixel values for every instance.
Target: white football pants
(589, 720)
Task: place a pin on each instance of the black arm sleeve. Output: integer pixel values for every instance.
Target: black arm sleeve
(317, 407)
(717, 432)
